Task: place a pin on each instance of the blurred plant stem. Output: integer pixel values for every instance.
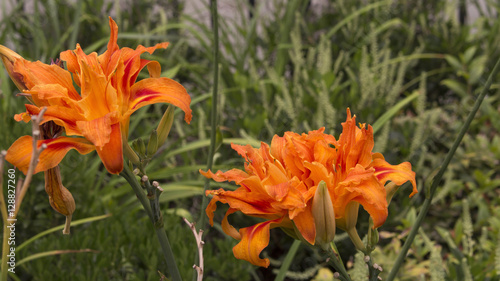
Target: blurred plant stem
(213, 116)
(432, 190)
(288, 260)
(337, 263)
(153, 210)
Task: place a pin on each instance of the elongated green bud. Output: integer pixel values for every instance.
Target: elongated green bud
(348, 223)
(130, 154)
(372, 237)
(324, 216)
(153, 143)
(350, 218)
(165, 125)
(139, 147)
(142, 147)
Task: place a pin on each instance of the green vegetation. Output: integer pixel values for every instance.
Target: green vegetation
(412, 69)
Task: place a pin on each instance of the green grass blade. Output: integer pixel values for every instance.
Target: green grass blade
(204, 143)
(53, 253)
(357, 13)
(60, 227)
(391, 112)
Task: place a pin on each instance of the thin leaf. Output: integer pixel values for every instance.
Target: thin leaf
(391, 112)
(53, 253)
(60, 227)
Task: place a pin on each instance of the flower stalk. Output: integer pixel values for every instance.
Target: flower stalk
(213, 115)
(337, 263)
(152, 207)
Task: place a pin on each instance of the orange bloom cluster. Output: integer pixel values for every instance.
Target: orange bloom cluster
(280, 181)
(96, 116)
(99, 113)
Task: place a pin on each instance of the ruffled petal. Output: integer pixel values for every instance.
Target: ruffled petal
(362, 186)
(399, 174)
(235, 175)
(99, 130)
(156, 90)
(19, 154)
(253, 240)
(228, 228)
(98, 96)
(109, 59)
(250, 203)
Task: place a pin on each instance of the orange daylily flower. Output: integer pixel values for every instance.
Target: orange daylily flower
(101, 110)
(280, 181)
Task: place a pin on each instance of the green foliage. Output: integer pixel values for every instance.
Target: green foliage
(410, 68)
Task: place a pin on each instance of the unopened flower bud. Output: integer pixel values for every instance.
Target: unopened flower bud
(324, 216)
(9, 57)
(60, 198)
(165, 125)
(350, 218)
(152, 144)
(139, 147)
(348, 223)
(142, 147)
(372, 237)
(130, 154)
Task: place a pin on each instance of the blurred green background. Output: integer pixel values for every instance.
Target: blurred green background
(410, 68)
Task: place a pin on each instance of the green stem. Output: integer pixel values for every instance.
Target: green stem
(153, 210)
(337, 263)
(213, 116)
(373, 272)
(437, 179)
(130, 177)
(288, 260)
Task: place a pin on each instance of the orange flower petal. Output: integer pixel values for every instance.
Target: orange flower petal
(38, 73)
(399, 174)
(250, 203)
(362, 186)
(9, 57)
(253, 157)
(253, 240)
(99, 130)
(156, 90)
(111, 153)
(106, 58)
(19, 154)
(304, 222)
(360, 153)
(211, 207)
(290, 199)
(228, 228)
(231, 175)
(98, 96)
